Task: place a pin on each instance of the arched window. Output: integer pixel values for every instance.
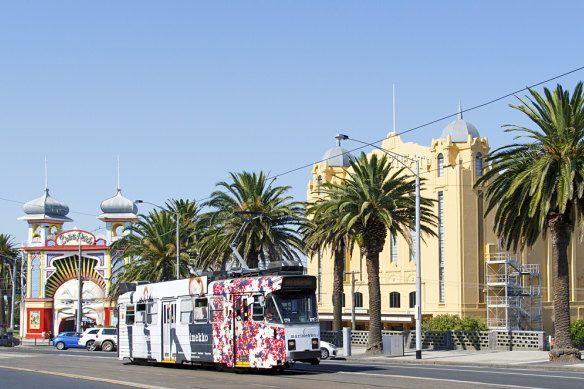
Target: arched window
(412, 247)
(412, 299)
(35, 277)
(358, 299)
(319, 184)
(343, 298)
(393, 249)
(394, 300)
(440, 165)
(479, 165)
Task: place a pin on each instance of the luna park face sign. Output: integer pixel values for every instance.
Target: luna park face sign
(69, 238)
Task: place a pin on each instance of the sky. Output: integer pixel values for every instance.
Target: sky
(185, 92)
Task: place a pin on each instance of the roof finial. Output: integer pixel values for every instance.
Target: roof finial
(46, 178)
(459, 110)
(119, 173)
(339, 137)
(393, 107)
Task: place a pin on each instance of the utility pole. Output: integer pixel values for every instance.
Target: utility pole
(352, 273)
(80, 290)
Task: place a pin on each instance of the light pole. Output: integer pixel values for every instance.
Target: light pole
(418, 312)
(177, 216)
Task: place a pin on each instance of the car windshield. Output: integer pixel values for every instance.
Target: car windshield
(293, 308)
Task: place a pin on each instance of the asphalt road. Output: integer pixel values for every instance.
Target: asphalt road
(47, 369)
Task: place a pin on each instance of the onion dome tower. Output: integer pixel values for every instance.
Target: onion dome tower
(45, 216)
(118, 213)
(337, 155)
(460, 129)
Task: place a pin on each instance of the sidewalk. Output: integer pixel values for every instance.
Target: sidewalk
(487, 358)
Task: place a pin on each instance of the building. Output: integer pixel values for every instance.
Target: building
(54, 256)
(453, 264)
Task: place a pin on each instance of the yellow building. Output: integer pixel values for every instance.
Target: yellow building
(454, 270)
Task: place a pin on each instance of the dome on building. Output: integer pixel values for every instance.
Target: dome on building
(338, 156)
(118, 204)
(45, 207)
(460, 129)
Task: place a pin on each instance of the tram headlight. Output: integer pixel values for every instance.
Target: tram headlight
(291, 344)
(315, 343)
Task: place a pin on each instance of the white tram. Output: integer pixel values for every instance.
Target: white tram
(263, 321)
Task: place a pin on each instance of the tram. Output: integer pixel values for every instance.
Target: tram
(266, 321)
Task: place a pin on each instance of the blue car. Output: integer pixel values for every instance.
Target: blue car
(67, 339)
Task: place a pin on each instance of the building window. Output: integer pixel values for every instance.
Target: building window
(479, 165)
(319, 185)
(35, 277)
(319, 274)
(394, 300)
(358, 298)
(412, 299)
(343, 298)
(440, 165)
(441, 246)
(413, 246)
(393, 249)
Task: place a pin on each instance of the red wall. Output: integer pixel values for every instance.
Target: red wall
(45, 323)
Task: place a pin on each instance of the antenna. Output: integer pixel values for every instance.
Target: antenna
(393, 107)
(118, 172)
(46, 179)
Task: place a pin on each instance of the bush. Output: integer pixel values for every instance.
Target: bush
(577, 331)
(448, 322)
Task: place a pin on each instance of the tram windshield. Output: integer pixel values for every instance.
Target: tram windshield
(291, 308)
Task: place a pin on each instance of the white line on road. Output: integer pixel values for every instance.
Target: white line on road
(472, 383)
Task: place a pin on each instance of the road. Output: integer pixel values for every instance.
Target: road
(47, 369)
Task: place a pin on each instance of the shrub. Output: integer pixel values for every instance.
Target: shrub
(448, 322)
(577, 331)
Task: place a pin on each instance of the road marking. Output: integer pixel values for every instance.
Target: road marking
(473, 383)
(486, 370)
(115, 382)
(17, 355)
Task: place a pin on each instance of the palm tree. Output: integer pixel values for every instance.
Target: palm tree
(369, 203)
(321, 233)
(8, 254)
(151, 245)
(270, 218)
(538, 186)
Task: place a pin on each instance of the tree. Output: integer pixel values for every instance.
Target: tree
(271, 231)
(8, 254)
(369, 203)
(151, 245)
(538, 186)
(323, 232)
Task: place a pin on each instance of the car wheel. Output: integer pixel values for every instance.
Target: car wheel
(60, 346)
(107, 346)
(90, 345)
(324, 354)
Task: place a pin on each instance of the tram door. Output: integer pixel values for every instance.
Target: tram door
(169, 331)
(242, 339)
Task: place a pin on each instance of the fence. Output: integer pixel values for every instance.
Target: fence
(454, 340)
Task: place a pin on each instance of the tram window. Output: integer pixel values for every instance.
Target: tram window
(257, 310)
(272, 314)
(216, 310)
(201, 310)
(186, 311)
(140, 315)
(151, 313)
(130, 315)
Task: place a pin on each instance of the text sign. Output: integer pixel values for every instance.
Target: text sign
(70, 238)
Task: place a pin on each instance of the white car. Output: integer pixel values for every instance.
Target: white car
(107, 339)
(328, 350)
(87, 338)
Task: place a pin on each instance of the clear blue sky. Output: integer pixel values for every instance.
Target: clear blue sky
(185, 91)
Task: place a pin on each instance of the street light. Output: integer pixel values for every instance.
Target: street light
(418, 312)
(177, 216)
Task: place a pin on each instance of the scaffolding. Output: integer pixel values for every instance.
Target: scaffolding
(513, 293)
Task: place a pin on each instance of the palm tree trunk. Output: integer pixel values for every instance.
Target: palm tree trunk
(253, 258)
(375, 345)
(2, 309)
(560, 237)
(339, 273)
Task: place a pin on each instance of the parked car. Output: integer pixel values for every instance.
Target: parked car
(87, 338)
(328, 350)
(67, 339)
(106, 339)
